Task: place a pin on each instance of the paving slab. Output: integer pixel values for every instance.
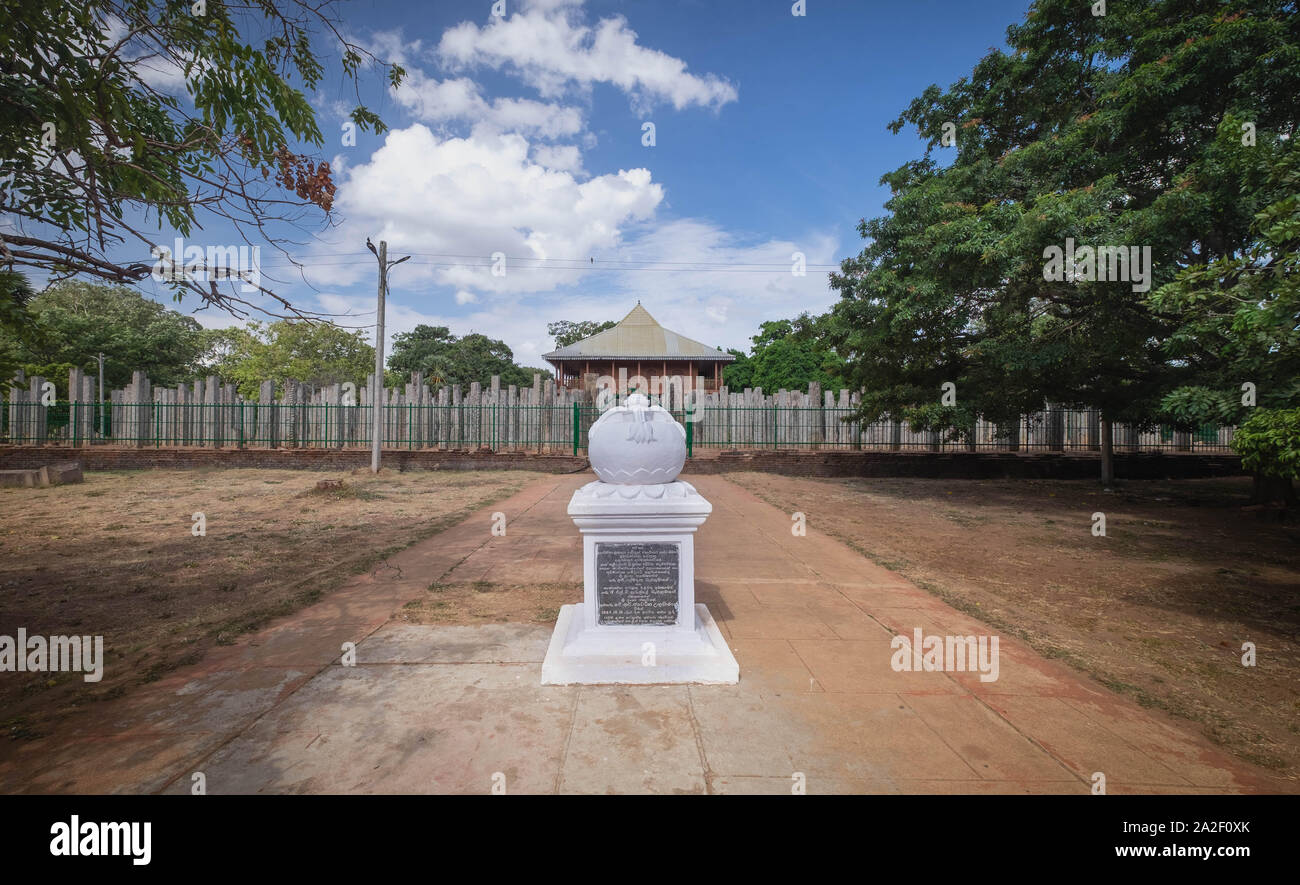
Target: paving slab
(486, 644)
(633, 739)
(819, 707)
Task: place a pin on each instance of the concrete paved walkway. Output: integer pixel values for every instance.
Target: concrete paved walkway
(457, 709)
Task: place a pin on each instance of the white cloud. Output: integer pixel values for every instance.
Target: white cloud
(453, 202)
(716, 303)
(391, 47)
(565, 158)
(548, 46)
(735, 285)
(506, 184)
(154, 67)
(459, 100)
(166, 75)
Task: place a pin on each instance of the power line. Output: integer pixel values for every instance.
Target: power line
(591, 263)
(591, 260)
(588, 268)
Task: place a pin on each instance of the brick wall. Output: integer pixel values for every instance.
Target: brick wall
(122, 458)
(970, 465)
(939, 465)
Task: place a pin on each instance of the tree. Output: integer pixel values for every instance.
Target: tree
(530, 371)
(70, 323)
(1269, 444)
(92, 149)
(1105, 131)
(424, 349)
(477, 358)
(786, 354)
(567, 332)
(1238, 316)
(447, 359)
(16, 326)
(739, 373)
(313, 353)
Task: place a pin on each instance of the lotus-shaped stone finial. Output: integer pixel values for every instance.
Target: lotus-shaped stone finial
(637, 443)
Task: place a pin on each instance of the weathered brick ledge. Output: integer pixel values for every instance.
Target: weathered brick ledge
(939, 465)
(971, 465)
(128, 458)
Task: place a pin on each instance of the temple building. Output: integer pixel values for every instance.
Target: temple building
(639, 348)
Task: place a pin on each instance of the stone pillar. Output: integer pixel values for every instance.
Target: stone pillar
(211, 417)
(512, 422)
(89, 409)
(1055, 427)
(457, 418)
(494, 412)
(1013, 435)
(638, 622)
(547, 414)
(36, 412)
(444, 418)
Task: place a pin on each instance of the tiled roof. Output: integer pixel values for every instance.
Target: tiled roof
(638, 336)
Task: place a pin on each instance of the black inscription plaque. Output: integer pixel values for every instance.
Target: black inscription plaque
(636, 583)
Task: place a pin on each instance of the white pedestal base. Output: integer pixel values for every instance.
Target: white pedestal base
(578, 654)
(629, 630)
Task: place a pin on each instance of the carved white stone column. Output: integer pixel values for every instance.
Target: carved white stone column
(638, 622)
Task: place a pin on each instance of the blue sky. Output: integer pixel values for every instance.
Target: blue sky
(524, 135)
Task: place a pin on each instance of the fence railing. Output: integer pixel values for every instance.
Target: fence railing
(290, 425)
(1064, 430)
(558, 427)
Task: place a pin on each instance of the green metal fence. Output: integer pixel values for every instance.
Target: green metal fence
(829, 428)
(296, 425)
(550, 428)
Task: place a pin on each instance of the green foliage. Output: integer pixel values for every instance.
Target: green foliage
(447, 359)
(786, 354)
(16, 324)
(289, 350)
(89, 140)
(1111, 130)
(1269, 443)
(1190, 405)
(738, 374)
(1238, 316)
(567, 332)
(72, 322)
(424, 349)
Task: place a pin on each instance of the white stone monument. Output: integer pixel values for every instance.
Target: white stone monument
(638, 622)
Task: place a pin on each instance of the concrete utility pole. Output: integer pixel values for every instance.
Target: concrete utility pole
(377, 394)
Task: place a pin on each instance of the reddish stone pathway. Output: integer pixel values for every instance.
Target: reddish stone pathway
(455, 709)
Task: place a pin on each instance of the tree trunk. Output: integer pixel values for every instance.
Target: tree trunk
(1274, 490)
(1107, 452)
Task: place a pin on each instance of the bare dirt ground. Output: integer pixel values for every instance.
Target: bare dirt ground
(116, 556)
(486, 602)
(1158, 608)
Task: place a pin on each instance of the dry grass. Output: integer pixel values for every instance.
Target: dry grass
(1157, 609)
(485, 602)
(116, 557)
